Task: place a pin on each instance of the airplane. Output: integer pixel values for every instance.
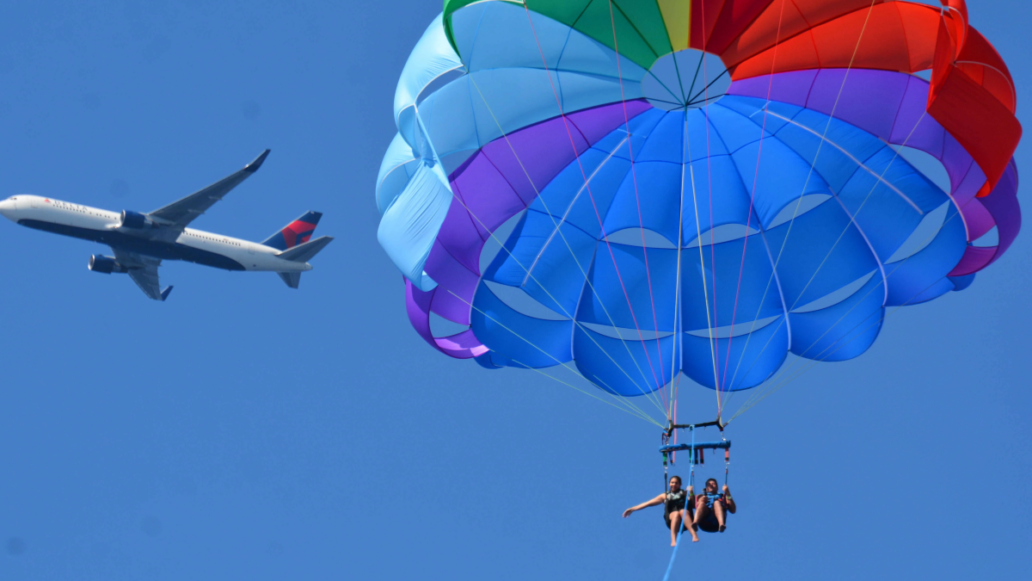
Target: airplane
(141, 241)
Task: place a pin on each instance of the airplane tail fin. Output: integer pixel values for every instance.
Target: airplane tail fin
(297, 232)
(301, 253)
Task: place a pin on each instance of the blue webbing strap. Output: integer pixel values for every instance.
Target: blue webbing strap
(684, 511)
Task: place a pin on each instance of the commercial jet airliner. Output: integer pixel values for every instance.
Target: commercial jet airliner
(141, 241)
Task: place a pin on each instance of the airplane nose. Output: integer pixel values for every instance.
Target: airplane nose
(7, 208)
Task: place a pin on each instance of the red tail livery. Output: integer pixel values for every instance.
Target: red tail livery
(297, 232)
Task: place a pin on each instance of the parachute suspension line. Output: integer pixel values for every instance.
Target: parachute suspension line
(807, 366)
(563, 363)
(702, 259)
(637, 198)
(752, 199)
(713, 250)
(680, 226)
(550, 356)
(757, 398)
(675, 377)
(852, 220)
(594, 205)
(684, 511)
(802, 193)
(654, 401)
(885, 276)
(649, 395)
(630, 409)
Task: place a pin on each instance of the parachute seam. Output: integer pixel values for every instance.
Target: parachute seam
(634, 179)
(531, 343)
(759, 224)
(813, 361)
(570, 209)
(573, 319)
(861, 164)
(583, 272)
(598, 216)
(791, 222)
(884, 276)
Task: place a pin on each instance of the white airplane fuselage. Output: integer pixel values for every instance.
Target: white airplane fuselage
(106, 227)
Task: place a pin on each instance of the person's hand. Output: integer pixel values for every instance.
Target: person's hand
(628, 512)
(691, 489)
(725, 489)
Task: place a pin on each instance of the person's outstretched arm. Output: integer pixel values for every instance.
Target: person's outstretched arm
(729, 501)
(655, 501)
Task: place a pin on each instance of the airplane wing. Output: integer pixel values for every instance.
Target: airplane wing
(180, 213)
(144, 272)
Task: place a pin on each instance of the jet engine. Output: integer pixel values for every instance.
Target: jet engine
(106, 265)
(135, 220)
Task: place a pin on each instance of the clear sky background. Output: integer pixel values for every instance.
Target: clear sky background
(244, 430)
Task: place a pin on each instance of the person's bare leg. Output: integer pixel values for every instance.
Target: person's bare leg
(675, 525)
(700, 513)
(718, 511)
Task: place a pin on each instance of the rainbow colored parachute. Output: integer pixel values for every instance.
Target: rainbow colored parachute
(692, 187)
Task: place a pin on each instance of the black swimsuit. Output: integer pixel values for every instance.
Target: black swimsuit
(674, 502)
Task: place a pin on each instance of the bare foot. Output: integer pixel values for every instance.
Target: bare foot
(673, 543)
(695, 539)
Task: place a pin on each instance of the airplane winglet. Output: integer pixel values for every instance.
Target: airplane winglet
(165, 293)
(257, 163)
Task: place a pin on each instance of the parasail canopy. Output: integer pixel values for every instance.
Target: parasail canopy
(697, 189)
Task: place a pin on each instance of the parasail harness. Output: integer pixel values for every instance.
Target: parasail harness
(696, 455)
(696, 450)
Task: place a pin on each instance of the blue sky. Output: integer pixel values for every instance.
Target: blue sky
(246, 430)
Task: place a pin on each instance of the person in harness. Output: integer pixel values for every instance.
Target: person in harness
(674, 502)
(708, 511)
(711, 508)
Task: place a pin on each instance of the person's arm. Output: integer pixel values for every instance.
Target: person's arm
(655, 501)
(729, 501)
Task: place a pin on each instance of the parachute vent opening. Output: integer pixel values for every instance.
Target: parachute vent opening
(797, 207)
(640, 237)
(439, 83)
(927, 164)
(625, 334)
(518, 300)
(923, 235)
(441, 327)
(686, 79)
(833, 298)
(723, 233)
(493, 244)
(990, 239)
(739, 329)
